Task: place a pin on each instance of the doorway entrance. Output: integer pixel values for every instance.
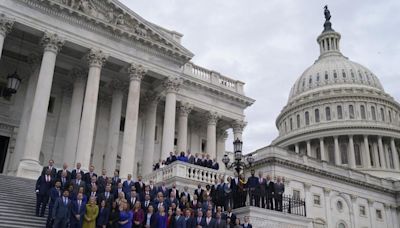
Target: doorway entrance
(3, 151)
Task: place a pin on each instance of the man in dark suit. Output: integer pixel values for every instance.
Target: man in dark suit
(190, 222)
(160, 201)
(199, 192)
(146, 203)
(43, 186)
(88, 176)
(107, 196)
(53, 170)
(260, 191)
(139, 185)
(102, 181)
(215, 164)
(197, 160)
(173, 190)
(61, 211)
(78, 183)
(220, 193)
(55, 193)
(231, 215)
(132, 198)
(199, 220)
(269, 191)
(93, 193)
(64, 169)
(153, 190)
(210, 221)
(92, 183)
(171, 158)
(235, 191)
(78, 209)
(186, 193)
(150, 218)
(219, 221)
(163, 189)
(208, 162)
(117, 190)
(251, 185)
(64, 180)
(179, 219)
(115, 179)
(190, 157)
(246, 223)
(76, 171)
(279, 189)
(127, 185)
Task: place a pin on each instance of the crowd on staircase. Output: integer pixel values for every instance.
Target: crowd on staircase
(202, 159)
(78, 199)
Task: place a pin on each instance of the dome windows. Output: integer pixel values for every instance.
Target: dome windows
(328, 113)
(343, 74)
(382, 115)
(317, 117)
(373, 113)
(351, 111)
(334, 74)
(362, 111)
(307, 118)
(339, 112)
(298, 120)
(326, 75)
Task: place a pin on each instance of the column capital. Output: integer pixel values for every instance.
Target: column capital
(307, 186)
(78, 74)
(327, 191)
(353, 198)
(238, 125)
(52, 42)
(136, 72)
(184, 109)
(6, 24)
(370, 202)
(172, 84)
(222, 134)
(212, 117)
(96, 58)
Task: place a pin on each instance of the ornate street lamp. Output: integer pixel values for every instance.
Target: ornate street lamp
(13, 82)
(238, 164)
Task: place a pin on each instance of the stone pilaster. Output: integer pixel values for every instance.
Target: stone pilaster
(212, 119)
(183, 113)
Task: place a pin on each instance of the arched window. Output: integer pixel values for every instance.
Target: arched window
(307, 118)
(391, 164)
(291, 124)
(285, 127)
(317, 115)
(343, 74)
(339, 112)
(334, 74)
(341, 225)
(326, 75)
(383, 115)
(390, 116)
(373, 113)
(357, 154)
(343, 153)
(351, 111)
(298, 120)
(362, 110)
(328, 113)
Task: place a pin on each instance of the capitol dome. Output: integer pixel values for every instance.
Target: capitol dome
(338, 112)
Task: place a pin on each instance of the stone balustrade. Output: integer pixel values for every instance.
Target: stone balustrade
(187, 172)
(213, 77)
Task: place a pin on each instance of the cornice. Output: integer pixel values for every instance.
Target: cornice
(161, 47)
(322, 173)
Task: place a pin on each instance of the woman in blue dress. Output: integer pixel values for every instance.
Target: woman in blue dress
(162, 218)
(125, 215)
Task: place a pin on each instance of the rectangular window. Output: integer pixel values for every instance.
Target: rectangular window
(328, 113)
(296, 194)
(50, 108)
(362, 111)
(351, 111)
(373, 113)
(339, 112)
(379, 214)
(291, 124)
(307, 118)
(362, 211)
(298, 121)
(316, 115)
(317, 200)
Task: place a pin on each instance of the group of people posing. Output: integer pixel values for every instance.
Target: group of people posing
(78, 199)
(203, 160)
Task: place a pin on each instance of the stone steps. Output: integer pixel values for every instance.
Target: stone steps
(18, 203)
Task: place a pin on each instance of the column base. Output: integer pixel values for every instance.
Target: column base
(30, 169)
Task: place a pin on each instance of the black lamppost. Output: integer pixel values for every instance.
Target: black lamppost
(13, 82)
(238, 164)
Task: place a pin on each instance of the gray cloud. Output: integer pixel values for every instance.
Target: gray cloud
(268, 44)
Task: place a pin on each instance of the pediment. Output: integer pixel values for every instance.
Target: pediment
(120, 19)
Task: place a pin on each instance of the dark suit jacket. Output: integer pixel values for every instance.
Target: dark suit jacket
(60, 172)
(260, 189)
(101, 182)
(199, 194)
(77, 186)
(279, 188)
(165, 193)
(139, 187)
(87, 177)
(252, 182)
(222, 223)
(176, 195)
(191, 159)
(127, 187)
(53, 171)
(115, 181)
(232, 217)
(73, 174)
(269, 188)
(102, 218)
(209, 163)
(211, 224)
(171, 159)
(75, 210)
(54, 195)
(102, 196)
(153, 220)
(43, 186)
(201, 223)
(64, 185)
(60, 210)
(180, 223)
(190, 222)
(189, 198)
(248, 226)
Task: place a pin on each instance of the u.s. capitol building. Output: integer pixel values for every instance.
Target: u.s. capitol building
(103, 86)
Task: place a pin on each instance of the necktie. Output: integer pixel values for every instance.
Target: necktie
(106, 195)
(79, 206)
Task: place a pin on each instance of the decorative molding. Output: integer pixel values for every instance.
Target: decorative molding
(212, 117)
(136, 72)
(6, 25)
(238, 126)
(172, 84)
(184, 109)
(52, 42)
(96, 58)
(222, 134)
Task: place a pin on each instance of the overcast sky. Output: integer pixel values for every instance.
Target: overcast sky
(269, 43)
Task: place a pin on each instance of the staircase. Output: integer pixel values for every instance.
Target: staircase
(18, 203)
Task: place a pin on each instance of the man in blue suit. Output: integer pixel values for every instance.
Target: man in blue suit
(78, 210)
(180, 221)
(55, 193)
(127, 185)
(190, 222)
(61, 211)
(43, 186)
(251, 185)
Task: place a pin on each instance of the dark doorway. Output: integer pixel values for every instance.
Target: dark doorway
(3, 151)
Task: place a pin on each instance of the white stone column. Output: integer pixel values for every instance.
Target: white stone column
(34, 61)
(29, 166)
(355, 208)
(307, 196)
(237, 127)
(381, 152)
(352, 158)
(296, 148)
(367, 152)
(74, 120)
(222, 135)
(183, 113)
(171, 87)
(212, 119)
(395, 154)
(110, 160)
(322, 149)
(308, 148)
(6, 25)
(128, 162)
(338, 160)
(96, 59)
(152, 100)
(327, 192)
(371, 210)
(100, 139)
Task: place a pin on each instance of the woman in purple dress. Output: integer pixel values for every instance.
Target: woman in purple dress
(125, 215)
(162, 218)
